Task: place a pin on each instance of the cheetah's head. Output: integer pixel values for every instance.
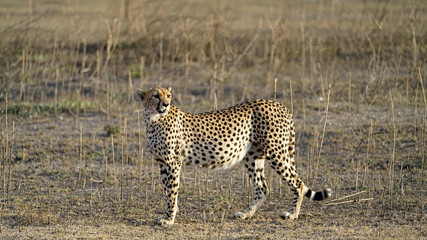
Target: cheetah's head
(157, 100)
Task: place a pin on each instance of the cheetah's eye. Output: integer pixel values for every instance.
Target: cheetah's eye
(168, 96)
(157, 96)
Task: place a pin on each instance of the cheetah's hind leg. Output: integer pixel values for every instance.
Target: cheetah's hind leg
(254, 162)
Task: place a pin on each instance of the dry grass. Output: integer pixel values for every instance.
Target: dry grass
(72, 163)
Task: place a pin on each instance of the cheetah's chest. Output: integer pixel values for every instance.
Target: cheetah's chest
(163, 142)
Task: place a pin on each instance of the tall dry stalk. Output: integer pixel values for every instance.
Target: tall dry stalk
(206, 186)
(83, 69)
(56, 90)
(113, 157)
(393, 153)
(81, 153)
(349, 92)
(23, 72)
(130, 91)
(9, 149)
(6, 163)
(122, 169)
(127, 16)
(105, 161)
(113, 30)
(415, 51)
(369, 149)
(74, 71)
(141, 69)
(291, 96)
(309, 165)
(323, 132)
(357, 175)
(275, 88)
(6, 110)
(199, 187)
(98, 74)
(424, 125)
(5, 149)
(215, 102)
(374, 53)
(303, 71)
(2, 162)
(312, 61)
(402, 191)
(160, 69)
(274, 28)
(153, 186)
(186, 35)
(140, 151)
(212, 40)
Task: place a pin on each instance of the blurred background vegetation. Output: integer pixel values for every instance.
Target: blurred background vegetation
(99, 51)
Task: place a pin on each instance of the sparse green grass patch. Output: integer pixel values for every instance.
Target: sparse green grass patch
(28, 108)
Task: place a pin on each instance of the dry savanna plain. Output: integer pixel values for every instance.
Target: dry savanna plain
(73, 156)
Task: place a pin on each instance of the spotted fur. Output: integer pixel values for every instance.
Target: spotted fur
(253, 132)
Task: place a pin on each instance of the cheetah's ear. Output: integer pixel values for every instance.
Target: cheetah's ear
(169, 89)
(141, 93)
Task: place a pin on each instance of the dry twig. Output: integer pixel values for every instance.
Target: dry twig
(349, 201)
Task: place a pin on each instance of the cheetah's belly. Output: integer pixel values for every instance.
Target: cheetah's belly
(238, 158)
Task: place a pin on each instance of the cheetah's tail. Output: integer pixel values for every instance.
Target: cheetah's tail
(318, 196)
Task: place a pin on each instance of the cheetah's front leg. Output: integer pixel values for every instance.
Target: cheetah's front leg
(169, 174)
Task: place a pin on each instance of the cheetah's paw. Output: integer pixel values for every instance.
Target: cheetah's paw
(241, 215)
(288, 215)
(165, 222)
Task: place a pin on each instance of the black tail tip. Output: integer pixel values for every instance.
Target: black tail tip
(326, 193)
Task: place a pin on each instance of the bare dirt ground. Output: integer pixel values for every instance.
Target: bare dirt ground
(58, 195)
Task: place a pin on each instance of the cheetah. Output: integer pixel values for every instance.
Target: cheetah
(253, 132)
